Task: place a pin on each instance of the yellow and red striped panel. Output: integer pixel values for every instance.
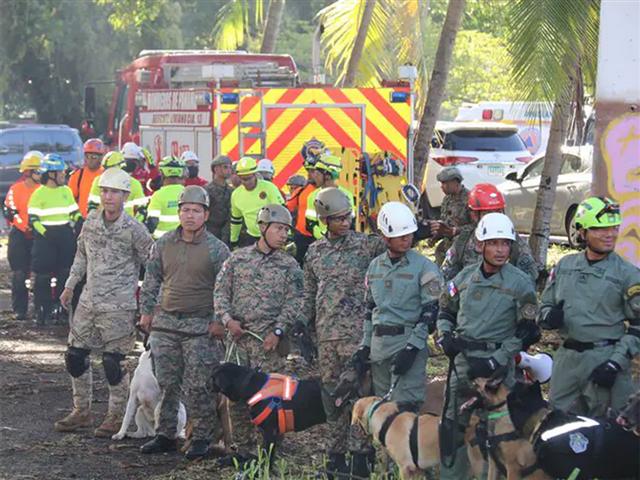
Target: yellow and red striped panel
(288, 128)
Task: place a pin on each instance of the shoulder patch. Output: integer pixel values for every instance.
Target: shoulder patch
(633, 290)
(452, 289)
(529, 311)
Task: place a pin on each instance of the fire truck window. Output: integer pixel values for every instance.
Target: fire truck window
(38, 140)
(121, 105)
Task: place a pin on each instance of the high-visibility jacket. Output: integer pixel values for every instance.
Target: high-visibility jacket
(245, 205)
(80, 182)
(313, 222)
(135, 204)
(164, 207)
(52, 206)
(17, 202)
(298, 205)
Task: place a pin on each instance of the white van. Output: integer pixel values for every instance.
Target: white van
(533, 119)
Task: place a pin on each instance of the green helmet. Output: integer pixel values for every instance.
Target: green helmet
(329, 164)
(171, 166)
(331, 201)
(246, 166)
(274, 213)
(598, 212)
(113, 159)
(194, 194)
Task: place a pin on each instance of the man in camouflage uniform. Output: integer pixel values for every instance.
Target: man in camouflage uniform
(111, 248)
(184, 262)
(454, 212)
(334, 290)
(402, 297)
(487, 315)
(219, 192)
(485, 198)
(258, 297)
(589, 297)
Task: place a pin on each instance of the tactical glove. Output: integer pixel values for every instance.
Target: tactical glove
(529, 333)
(404, 359)
(604, 375)
(555, 317)
(448, 344)
(360, 360)
(482, 367)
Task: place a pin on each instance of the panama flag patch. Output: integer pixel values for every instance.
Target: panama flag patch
(453, 290)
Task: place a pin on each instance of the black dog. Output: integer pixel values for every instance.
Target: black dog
(271, 412)
(598, 447)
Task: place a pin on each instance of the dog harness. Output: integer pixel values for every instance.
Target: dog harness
(278, 389)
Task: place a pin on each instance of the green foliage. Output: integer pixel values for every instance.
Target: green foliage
(547, 39)
(479, 72)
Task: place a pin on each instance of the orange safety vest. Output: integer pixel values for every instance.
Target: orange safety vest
(277, 389)
(301, 219)
(17, 200)
(80, 183)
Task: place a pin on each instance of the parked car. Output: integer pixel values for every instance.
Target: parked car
(484, 152)
(520, 190)
(16, 140)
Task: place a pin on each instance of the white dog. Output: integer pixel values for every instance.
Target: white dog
(144, 402)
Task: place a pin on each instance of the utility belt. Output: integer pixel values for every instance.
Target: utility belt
(198, 313)
(464, 344)
(388, 330)
(584, 346)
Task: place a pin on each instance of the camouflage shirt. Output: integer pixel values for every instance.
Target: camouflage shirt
(334, 287)
(454, 210)
(219, 210)
(463, 253)
(262, 291)
(110, 255)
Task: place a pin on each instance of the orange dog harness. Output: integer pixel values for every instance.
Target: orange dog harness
(277, 389)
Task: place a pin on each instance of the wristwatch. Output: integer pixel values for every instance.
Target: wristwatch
(278, 332)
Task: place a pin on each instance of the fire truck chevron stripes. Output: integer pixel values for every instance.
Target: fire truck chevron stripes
(291, 116)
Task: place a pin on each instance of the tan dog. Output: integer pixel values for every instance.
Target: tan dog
(515, 454)
(222, 442)
(397, 437)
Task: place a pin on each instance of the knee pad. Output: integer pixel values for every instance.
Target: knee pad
(77, 361)
(112, 364)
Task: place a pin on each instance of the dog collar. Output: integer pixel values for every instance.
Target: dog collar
(497, 415)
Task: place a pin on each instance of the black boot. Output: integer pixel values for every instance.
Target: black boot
(19, 294)
(337, 467)
(198, 449)
(361, 464)
(42, 298)
(160, 444)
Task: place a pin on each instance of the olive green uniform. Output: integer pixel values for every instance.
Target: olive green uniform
(483, 313)
(396, 295)
(598, 298)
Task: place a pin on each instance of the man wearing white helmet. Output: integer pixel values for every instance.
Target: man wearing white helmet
(193, 169)
(487, 315)
(402, 301)
(111, 249)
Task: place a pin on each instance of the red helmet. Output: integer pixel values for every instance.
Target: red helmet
(485, 196)
(94, 145)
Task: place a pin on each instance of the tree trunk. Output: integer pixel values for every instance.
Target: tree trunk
(437, 85)
(541, 227)
(358, 45)
(272, 25)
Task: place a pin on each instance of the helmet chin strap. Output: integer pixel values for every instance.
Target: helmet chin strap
(264, 236)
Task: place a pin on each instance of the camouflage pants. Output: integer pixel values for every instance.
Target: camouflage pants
(248, 351)
(333, 357)
(184, 363)
(101, 332)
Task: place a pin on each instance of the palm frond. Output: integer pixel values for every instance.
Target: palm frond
(546, 40)
(235, 23)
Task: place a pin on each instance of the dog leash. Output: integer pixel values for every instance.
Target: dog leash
(387, 396)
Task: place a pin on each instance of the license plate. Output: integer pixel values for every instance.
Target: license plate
(495, 170)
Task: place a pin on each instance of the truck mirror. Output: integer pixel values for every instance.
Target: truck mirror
(89, 102)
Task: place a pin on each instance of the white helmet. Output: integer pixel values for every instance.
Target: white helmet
(495, 225)
(131, 150)
(395, 219)
(189, 156)
(266, 166)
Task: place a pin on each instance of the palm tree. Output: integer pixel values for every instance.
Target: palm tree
(358, 44)
(437, 84)
(552, 44)
(237, 23)
(272, 26)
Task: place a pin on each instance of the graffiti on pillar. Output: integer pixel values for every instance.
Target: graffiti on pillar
(620, 146)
